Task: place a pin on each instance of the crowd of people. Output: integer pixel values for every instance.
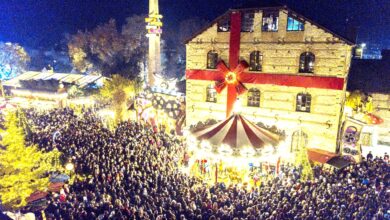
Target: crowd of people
(134, 172)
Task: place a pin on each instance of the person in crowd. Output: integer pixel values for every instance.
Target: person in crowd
(133, 172)
(370, 156)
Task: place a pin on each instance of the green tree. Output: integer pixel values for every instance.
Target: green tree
(106, 50)
(359, 102)
(302, 160)
(118, 90)
(23, 170)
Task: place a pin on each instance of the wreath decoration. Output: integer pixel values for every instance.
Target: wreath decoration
(158, 102)
(172, 108)
(350, 135)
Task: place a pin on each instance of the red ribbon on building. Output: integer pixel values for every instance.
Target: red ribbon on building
(223, 75)
(231, 80)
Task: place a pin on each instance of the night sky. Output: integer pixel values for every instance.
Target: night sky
(42, 23)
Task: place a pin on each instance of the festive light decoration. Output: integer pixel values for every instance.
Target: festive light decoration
(225, 150)
(247, 151)
(118, 90)
(205, 145)
(154, 24)
(22, 168)
(69, 166)
(231, 81)
(302, 160)
(153, 27)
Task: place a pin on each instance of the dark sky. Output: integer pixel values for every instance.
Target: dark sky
(41, 23)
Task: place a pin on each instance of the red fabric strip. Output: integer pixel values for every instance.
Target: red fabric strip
(231, 99)
(231, 136)
(217, 129)
(274, 141)
(235, 33)
(311, 81)
(255, 141)
(221, 67)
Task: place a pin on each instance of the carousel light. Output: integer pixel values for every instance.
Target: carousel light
(268, 150)
(206, 145)
(225, 149)
(248, 151)
(237, 108)
(69, 166)
(191, 139)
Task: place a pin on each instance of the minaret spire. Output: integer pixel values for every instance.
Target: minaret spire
(153, 26)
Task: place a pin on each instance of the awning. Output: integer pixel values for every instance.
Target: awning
(321, 156)
(326, 157)
(37, 196)
(55, 187)
(338, 162)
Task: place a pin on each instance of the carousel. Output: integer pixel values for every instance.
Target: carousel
(233, 151)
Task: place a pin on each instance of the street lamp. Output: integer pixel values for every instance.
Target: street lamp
(69, 166)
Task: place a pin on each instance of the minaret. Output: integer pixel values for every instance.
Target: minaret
(154, 34)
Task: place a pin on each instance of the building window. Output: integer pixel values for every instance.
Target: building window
(254, 97)
(255, 61)
(294, 24)
(270, 21)
(212, 59)
(306, 62)
(247, 21)
(211, 94)
(224, 24)
(303, 102)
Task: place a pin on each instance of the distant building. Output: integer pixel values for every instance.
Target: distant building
(296, 78)
(48, 85)
(372, 76)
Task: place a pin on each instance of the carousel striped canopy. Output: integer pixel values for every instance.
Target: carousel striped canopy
(237, 132)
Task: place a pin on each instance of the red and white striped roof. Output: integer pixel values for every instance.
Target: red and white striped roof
(237, 132)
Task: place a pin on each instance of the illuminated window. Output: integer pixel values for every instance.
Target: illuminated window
(306, 62)
(255, 61)
(247, 24)
(294, 24)
(303, 102)
(224, 24)
(212, 59)
(270, 21)
(254, 97)
(211, 94)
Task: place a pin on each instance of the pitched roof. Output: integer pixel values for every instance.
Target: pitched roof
(237, 132)
(343, 38)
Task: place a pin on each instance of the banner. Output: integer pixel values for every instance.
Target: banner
(350, 140)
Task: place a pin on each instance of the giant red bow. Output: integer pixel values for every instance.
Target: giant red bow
(231, 80)
(231, 77)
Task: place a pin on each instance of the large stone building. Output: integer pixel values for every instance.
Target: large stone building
(296, 78)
